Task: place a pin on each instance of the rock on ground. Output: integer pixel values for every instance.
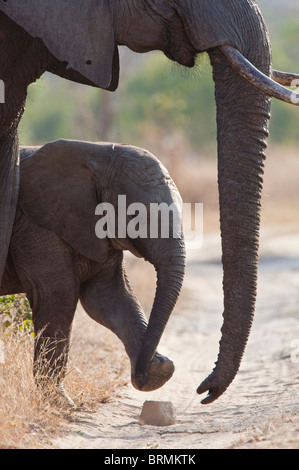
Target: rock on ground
(157, 413)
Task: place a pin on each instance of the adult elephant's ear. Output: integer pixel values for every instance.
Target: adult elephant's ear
(79, 33)
(59, 192)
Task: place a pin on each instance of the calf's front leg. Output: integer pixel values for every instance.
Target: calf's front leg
(109, 299)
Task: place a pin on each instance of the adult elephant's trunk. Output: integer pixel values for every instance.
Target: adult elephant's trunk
(242, 119)
(170, 270)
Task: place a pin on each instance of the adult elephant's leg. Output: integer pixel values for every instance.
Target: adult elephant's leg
(11, 283)
(109, 299)
(9, 185)
(22, 60)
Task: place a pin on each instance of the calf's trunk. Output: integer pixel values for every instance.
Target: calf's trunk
(170, 268)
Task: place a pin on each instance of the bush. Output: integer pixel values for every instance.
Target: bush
(15, 315)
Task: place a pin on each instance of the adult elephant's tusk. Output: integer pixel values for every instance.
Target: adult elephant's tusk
(285, 78)
(257, 78)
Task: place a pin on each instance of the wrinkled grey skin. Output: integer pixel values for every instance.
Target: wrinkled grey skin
(56, 258)
(77, 39)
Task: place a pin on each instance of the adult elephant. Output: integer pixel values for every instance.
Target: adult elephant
(77, 39)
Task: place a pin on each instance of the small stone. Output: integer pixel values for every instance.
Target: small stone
(157, 413)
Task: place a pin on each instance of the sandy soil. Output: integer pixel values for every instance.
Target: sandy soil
(261, 407)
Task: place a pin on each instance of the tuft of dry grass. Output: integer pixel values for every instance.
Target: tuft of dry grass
(24, 414)
(28, 416)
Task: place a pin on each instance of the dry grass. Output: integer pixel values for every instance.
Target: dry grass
(24, 414)
(28, 417)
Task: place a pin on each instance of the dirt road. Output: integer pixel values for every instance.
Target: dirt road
(261, 407)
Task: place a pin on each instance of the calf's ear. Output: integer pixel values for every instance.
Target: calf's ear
(58, 191)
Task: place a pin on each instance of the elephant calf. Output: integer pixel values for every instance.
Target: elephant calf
(56, 258)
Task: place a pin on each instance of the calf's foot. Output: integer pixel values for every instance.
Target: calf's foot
(160, 371)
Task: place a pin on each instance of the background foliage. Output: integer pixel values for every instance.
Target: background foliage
(15, 316)
(155, 98)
